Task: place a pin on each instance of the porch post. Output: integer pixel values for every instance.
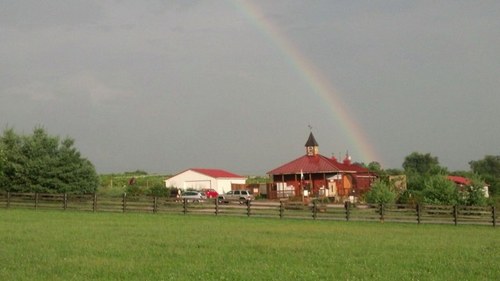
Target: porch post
(325, 184)
(312, 183)
(282, 180)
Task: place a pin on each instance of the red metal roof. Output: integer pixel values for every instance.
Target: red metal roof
(316, 164)
(216, 173)
(459, 180)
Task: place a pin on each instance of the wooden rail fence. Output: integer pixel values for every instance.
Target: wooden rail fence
(437, 214)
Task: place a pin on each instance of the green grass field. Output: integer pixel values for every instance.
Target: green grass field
(57, 245)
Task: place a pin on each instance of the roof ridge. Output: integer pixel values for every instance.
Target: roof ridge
(216, 173)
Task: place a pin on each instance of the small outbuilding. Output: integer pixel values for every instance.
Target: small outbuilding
(463, 182)
(200, 178)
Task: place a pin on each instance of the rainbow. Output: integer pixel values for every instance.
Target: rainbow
(318, 83)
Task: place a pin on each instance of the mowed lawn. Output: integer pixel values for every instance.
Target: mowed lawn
(57, 245)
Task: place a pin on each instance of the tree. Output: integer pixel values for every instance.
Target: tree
(14, 162)
(422, 164)
(394, 172)
(381, 192)
(2, 161)
(374, 166)
(43, 163)
(419, 167)
(439, 190)
(489, 169)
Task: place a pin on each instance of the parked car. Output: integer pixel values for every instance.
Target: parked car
(210, 193)
(235, 195)
(193, 196)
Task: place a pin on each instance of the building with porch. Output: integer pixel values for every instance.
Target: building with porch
(314, 175)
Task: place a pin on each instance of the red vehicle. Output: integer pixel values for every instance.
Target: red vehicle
(211, 193)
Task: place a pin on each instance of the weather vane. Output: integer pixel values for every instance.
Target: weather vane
(310, 127)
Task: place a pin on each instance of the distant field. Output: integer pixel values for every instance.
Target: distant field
(55, 245)
(115, 184)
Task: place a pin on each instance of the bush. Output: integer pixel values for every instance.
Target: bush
(473, 195)
(380, 193)
(439, 190)
(134, 190)
(158, 190)
(410, 197)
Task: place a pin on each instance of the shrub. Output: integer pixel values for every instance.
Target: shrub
(473, 195)
(440, 191)
(380, 193)
(134, 190)
(158, 190)
(411, 197)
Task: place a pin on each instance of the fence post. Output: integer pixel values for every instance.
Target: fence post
(455, 214)
(249, 204)
(36, 200)
(94, 203)
(8, 199)
(184, 206)
(315, 209)
(124, 202)
(282, 209)
(155, 204)
(216, 206)
(65, 204)
(381, 212)
(494, 215)
(419, 213)
(347, 206)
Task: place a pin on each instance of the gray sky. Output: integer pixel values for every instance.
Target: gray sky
(167, 85)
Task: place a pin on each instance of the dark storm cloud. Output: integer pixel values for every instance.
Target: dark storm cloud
(167, 85)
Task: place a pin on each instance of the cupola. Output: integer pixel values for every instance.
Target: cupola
(312, 148)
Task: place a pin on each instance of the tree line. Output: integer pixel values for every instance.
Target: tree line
(48, 164)
(427, 182)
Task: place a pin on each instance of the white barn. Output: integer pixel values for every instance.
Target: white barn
(198, 179)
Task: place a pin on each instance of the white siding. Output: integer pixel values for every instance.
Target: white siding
(192, 179)
(224, 184)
